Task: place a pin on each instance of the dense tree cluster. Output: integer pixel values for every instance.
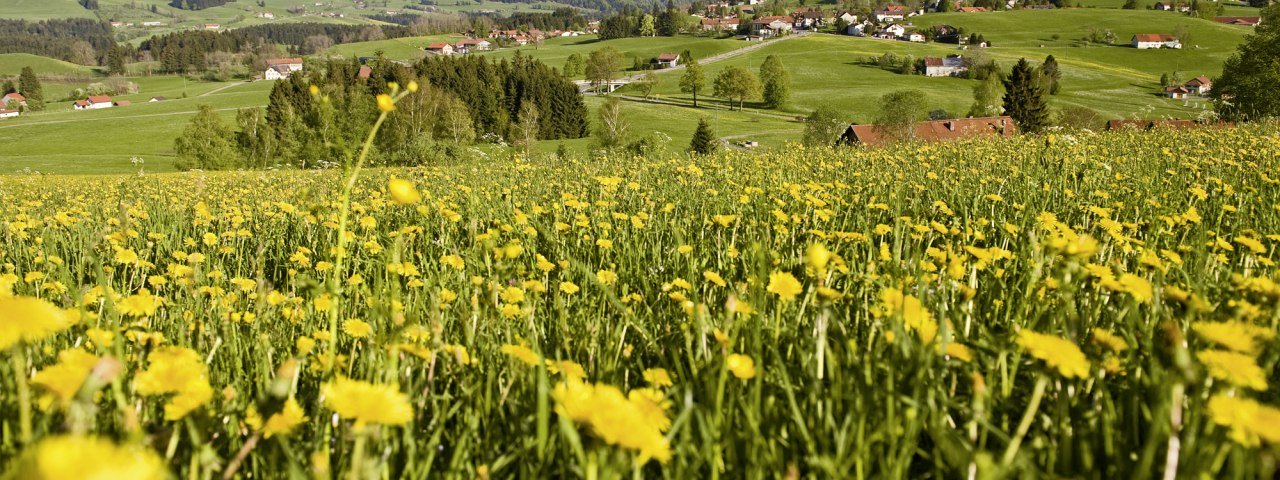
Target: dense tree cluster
(558, 19)
(321, 118)
(635, 22)
(77, 40)
(1249, 88)
(188, 51)
(599, 5)
(197, 4)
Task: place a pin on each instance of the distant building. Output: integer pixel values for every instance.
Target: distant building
(152, 24)
(1145, 41)
(9, 113)
(156, 99)
(212, 26)
(944, 66)
(123, 103)
(1239, 21)
(667, 60)
(364, 72)
(1176, 92)
(440, 48)
(94, 102)
(771, 26)
(719, 24)
(468, 45)
(281, 68)
(973, 9)
(13, 99)
(891, 13)
(933, 131)
(1199, 85)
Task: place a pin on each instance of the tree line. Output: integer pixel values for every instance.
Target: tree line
(77, 40)
(188, 51)
(635, 22)
(197, 4)
(320, 118)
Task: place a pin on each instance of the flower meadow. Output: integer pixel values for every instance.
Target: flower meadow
(1090, 306)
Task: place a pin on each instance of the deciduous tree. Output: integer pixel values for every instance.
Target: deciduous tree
(1249, 88)
(693, 80)
(737, 83)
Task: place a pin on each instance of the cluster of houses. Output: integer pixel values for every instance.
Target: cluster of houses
(533, 35)
(281, 68)
(1145, 41)
(1197, 86)
(149, 24)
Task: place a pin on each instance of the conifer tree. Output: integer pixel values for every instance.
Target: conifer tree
(1024, 98)
(704, 140)
(29, 86)
(1051, 74)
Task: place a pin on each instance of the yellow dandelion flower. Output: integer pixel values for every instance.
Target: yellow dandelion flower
(568, 288)
(1234, 335)
(357, 328)
(142, 304)
(607, 277)
(30, 319)
(63, 457)
(386, 104)
(784, 285)
(403, 191)
(283, 422)
(1109, 340)
(741, 366)
(1059, 353)
(1234, 368)
(522, 353)
(1248, 421)
(367, 403)
(714, 277)
(658, 377)
(63, 379)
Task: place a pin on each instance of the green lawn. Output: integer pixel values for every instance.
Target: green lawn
(407, 48)
(61, 140)
(11, 65)
(35, 10)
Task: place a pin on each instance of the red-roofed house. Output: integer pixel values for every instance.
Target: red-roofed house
(94, 102)
(719, 24)
(1176, 92)
(891, 13)
(667, 60)
(440, 48)
(944, 66)
(1155, 40)
(1199, 85)
(933, 131)
(468, 45)
(9, 113)
(13, 99)
(771, 26)
(364, 72)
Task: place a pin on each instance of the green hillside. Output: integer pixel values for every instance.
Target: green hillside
(34, 10)
(12, 63)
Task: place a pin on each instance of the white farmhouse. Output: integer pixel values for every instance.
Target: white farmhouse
(1145, 41)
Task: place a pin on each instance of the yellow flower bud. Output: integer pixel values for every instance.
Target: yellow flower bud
(386, 104)
(403, 191)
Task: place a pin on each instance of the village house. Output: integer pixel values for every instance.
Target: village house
(973, 10)
(153, 24)
(948, 66)
(9, 113)
(439, 48)
(156, 99)
(123, 103)
(280, 68)
(1047, 6)
(1145, 41)
(719, 24)
(858, 29)
(13, 100)
(1239, 21)
(847, 16)
(667, 60)
(948, 34)
(891, 32)
(364, 72)
(94, 102)
(891, 13)
(808, 19)
(1165, 6)
(117, 24)
(266, 15)
(468, 45)
(913, 37)
(1176, 92)
(1199, 86)
(932, 131)
(771, 26)
(212, 26)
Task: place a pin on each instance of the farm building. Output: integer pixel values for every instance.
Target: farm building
(1239, 21)
(667, 60)
(1155, 40)
(891, 13)
(1199, 85)
(469, 45)
(94, 102)
(278, 68)
(933, 131)
(9, 113)
(13, 99)
(948, 66)
(440, 48)
(1176, 92)
(771, 26)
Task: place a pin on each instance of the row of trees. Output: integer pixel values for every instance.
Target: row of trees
(197, 4)
(320, 118)
(188, 51)
(738, 84)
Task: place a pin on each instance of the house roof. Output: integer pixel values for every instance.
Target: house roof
(1175, 89)
(668, 57)
(284, 61)
(933, 61)
(937, 130)
(770, 19)
(973, 9)
(14, 96)
(894, 9)
(1199, 81)
(82, 103)
(437, 46)
(158, 98)
(1238, 20)
(1154, 38)
(364, 72)
(99, 99)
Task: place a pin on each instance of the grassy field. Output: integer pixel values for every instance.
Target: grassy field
(1105, 306)
(1117, 81)
(11, 64)
(43, 9)
(106, 140)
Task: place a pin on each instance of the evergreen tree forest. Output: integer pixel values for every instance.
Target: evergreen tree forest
(321, 118)
(184, 52)
(57, 38)
(197, 4)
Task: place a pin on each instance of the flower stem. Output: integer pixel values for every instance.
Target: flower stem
(19, 359)
(357, 456)
(1025, 424)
